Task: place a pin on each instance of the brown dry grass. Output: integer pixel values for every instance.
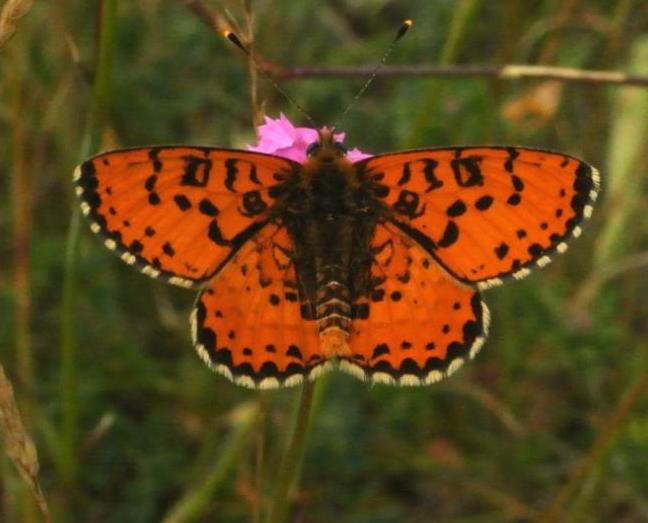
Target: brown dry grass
(12, 11)
(18, 444)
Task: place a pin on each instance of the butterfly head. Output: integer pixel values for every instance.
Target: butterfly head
(326, 148)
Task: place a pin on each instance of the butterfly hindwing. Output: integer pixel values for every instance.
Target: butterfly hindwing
(486, 213)
(250, 322)
(416, 324)
(176, 211)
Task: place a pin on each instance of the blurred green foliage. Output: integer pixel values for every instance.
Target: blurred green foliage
(499, 440)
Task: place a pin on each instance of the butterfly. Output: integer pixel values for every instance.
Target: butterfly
(376, 265)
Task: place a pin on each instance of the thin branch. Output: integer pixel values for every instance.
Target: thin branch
(590, 287)
(197, 499)
(506, 72)
(492, 404)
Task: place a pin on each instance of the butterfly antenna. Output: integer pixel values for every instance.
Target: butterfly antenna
(401, 32)
(232, 37)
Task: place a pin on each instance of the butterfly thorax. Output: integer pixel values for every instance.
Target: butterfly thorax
(331, 228)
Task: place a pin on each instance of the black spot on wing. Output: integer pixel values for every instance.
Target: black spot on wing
(430, 175)
(154, 156)
(406, 175)
(196, 172)
(467, 171)
(207, 208)
(501, 250)
(136, 247)
(514, 199)
(484, 202)
(182, 202)
(535, 250)
(512, 155)
(253, 203)
(456, 209)
(216, 235)
(380, 350)
(408, 204)
(517, 182)
(294, 352)
(450, 235)
(150, 182)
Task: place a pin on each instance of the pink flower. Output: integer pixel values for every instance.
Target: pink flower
(282, 138)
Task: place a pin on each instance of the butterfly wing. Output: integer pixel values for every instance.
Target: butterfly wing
(178, 212)
(415, 324)
(485, 213)
(251, 322)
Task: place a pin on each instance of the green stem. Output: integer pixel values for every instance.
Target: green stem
(69, 404)
(69, 335)
(262, 399)
(195, 503)
(291, 462)
(626, 155)
(259, 456)
(602, 445)
(463, 15)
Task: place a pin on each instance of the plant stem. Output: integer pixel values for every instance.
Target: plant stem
(291, 462)
(22, 197)
(194, 504)
(262, 399)
(602, 444)
(260, 457)
(459, 28)
(69, 335)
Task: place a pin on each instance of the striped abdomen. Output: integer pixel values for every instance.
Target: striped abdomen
(333, 310)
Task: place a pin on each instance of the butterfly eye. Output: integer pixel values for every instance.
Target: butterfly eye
(313, 149)
(340, 147)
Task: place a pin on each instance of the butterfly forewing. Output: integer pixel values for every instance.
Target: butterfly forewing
(485, 213)
(178, 212)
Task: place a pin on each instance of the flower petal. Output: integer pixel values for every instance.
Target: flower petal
(280, 137)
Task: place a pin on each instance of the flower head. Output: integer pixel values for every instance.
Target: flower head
(281, 138)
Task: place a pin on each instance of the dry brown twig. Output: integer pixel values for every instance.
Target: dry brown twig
(12, 11)
(507, 72)
(581, 303)
(18, 444)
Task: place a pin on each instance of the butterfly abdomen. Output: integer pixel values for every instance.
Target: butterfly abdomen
(333, 310)
(322, 223)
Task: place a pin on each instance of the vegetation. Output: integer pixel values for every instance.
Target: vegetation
(549, 423)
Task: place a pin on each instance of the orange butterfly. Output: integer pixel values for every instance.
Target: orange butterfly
(376, 264)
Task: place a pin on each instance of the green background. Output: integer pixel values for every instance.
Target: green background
(126, 418)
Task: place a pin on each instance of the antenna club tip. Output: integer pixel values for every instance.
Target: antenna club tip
(233, 37)
(404, 28)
